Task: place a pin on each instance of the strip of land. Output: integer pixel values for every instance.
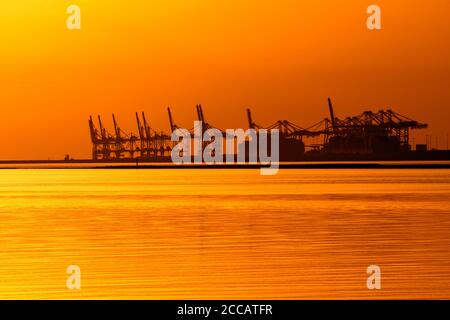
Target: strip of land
(293, 165)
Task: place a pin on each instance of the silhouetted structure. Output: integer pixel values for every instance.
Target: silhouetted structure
(384, 132)
(292, 146)
(149, 144)
(367, 133)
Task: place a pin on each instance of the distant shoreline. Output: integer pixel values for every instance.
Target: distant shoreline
(295, 166)
(436, 159)
(35, 164)
(310, 158)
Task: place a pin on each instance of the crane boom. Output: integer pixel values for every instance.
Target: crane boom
(330, 107)
(146, 126)
(251, 125)
(172, 126)
(116, 128)
(140, 129)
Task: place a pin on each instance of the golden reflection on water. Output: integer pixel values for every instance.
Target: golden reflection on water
(218, 234)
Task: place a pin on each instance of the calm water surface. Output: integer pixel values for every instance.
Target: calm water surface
(217, 234)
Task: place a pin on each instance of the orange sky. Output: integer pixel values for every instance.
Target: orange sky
(282, 58)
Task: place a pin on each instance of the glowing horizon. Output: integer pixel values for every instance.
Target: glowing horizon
(282, 59)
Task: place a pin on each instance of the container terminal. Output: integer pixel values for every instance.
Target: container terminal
(382, 135)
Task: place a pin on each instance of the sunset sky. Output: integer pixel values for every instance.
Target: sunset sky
(282, 58)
